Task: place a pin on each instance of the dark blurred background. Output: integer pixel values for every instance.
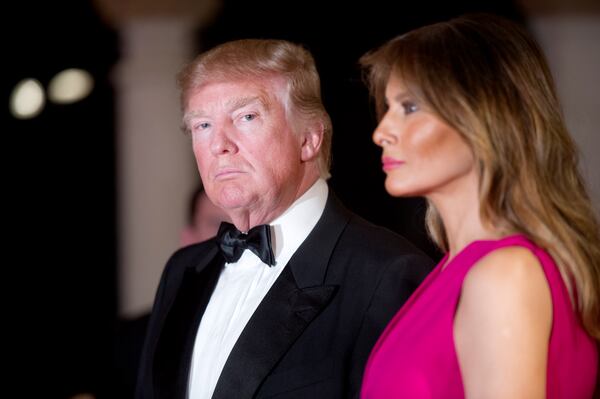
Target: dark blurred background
(63, 291)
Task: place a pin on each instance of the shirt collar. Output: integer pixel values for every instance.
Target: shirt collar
(293, 226)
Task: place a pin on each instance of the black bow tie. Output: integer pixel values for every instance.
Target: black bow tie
(233, 242)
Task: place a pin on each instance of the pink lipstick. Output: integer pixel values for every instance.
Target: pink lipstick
(390, 163)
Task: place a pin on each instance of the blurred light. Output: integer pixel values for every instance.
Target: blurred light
(27, 99)
(70, 85)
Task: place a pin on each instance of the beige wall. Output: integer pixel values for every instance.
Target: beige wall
(572, 44)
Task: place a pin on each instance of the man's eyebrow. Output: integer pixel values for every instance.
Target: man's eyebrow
(191, 115)
(241, 102)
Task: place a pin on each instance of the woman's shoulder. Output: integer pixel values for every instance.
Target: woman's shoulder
(510, 257)
(513, 261)
(508, 268)
(504, 316)
(509, 280)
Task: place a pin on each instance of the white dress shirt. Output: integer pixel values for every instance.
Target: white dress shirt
(241, 287)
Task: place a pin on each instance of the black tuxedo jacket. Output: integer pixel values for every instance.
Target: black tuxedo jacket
(311, 335)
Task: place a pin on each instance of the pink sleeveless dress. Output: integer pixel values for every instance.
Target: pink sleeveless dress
(415, 356)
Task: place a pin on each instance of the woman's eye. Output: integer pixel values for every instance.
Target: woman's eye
(248, 117)
(409, 107)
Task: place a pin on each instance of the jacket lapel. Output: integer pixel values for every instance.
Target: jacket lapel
(176, 343)
(296, 298)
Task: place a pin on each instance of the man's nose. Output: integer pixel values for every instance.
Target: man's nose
(223, 141)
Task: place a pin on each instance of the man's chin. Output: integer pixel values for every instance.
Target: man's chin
(227, 196)
(233, 204)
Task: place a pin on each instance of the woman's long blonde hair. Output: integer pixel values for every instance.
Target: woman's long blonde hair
(488, 79)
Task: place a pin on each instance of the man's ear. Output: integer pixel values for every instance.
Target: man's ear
(311, 141)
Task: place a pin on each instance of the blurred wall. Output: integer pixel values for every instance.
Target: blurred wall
(571, 42)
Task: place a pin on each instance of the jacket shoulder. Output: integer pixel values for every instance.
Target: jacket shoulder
(365, 235)
(187, 257)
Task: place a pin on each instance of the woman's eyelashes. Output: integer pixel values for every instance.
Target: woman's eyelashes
(409, 107)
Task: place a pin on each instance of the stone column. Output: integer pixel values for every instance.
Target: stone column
(155, 167)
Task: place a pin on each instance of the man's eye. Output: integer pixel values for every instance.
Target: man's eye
(201, 126)
(248, 117)
(409, 107)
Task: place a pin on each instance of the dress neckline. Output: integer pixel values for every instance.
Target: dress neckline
(444, 262)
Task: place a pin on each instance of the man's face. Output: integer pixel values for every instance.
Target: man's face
(247, 153)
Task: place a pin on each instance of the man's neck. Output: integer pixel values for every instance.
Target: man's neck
(245, 219)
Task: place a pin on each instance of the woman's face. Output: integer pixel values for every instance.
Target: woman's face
(422, 155)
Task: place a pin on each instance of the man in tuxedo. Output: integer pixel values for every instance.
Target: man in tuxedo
(288, 300)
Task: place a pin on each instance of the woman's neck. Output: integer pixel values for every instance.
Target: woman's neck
(460, 212)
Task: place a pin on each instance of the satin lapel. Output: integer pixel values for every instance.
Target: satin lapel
(279, 320)
(296, 298)
(176, 342)
(311, 261)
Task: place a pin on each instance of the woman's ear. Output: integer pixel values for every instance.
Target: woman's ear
(311, 141)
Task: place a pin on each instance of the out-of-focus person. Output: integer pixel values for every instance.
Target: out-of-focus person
(469, 119)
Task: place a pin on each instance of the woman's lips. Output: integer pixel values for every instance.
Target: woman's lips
(390, 163)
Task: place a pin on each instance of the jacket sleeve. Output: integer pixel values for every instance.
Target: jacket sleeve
(144, 378)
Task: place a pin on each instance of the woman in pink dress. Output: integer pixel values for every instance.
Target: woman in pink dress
(469, 119)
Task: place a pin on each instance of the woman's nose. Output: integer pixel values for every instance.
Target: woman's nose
(382, 135)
